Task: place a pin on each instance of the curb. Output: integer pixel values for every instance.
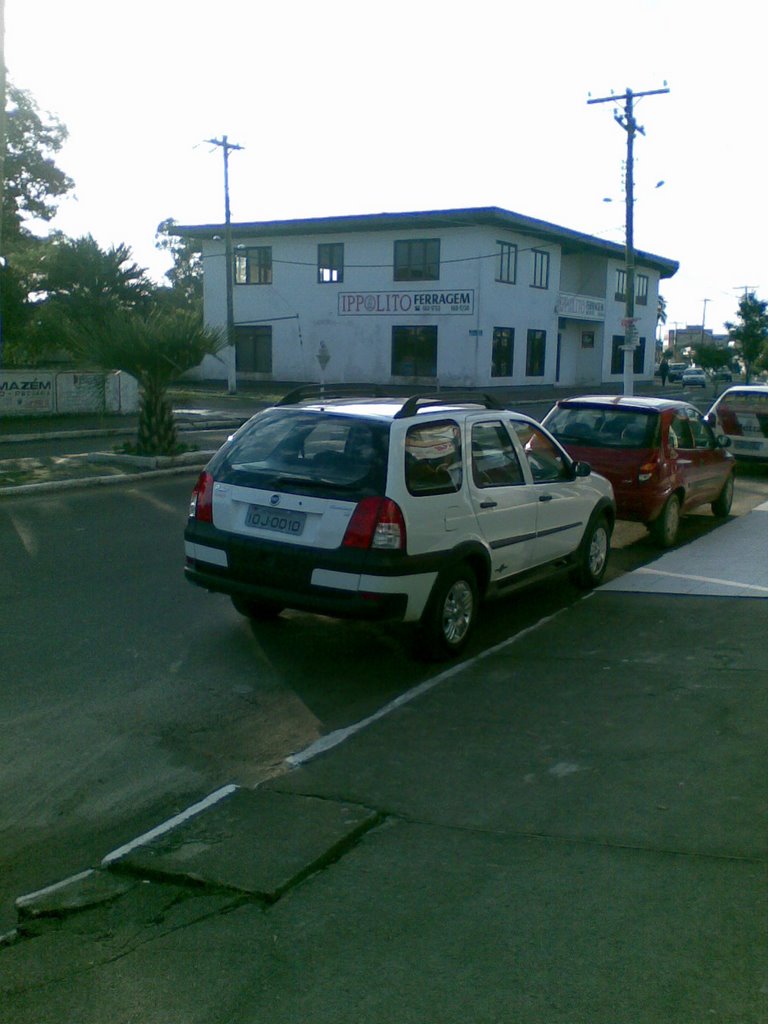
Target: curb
(98, 481)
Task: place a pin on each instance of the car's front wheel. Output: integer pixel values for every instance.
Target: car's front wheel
(451, 614)
(593, 554)
(721, 506)
(258, 610)
(664, 528)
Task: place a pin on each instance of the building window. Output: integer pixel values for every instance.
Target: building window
(641, 289)
(414, 351)
(621, 285)
(502, 356)
(535, 356)
(254, 266)
(540, 269)
(253, 349)
(330, 263)
(507, 268)
(417, 260)
(617, 355)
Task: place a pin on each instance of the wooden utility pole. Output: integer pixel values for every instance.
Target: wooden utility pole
(226, 146)
(631, 127)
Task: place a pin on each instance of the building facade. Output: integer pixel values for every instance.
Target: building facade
(474, 297)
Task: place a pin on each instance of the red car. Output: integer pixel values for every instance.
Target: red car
(661, 456)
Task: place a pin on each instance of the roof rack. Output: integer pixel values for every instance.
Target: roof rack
(322, 391)
(415, 402)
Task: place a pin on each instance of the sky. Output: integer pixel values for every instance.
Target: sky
(359, 106)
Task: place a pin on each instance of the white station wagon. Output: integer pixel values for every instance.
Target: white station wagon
(380, 508)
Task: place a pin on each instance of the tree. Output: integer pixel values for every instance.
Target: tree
(32, 187)
(156, 348)
(750, 332)
(186, 274)
(711, 357)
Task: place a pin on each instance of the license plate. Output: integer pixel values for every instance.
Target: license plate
(278, 520)
(747, 445)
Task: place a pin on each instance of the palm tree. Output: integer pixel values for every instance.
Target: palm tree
(156, 349)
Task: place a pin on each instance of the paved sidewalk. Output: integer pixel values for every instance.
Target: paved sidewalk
(568, 829)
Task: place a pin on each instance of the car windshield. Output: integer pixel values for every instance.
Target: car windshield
(307, 451)
(601, 427)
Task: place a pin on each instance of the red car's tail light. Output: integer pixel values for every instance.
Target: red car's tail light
(201, 504)
(376, 523)
(647, 470)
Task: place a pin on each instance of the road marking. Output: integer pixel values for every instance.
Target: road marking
(171, 823)
(30, 897)
(703, 579)
(333, 739)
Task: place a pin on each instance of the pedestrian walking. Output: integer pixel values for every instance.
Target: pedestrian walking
(664, 370)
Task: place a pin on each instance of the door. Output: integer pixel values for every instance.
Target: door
(506, 506)
(563, 504)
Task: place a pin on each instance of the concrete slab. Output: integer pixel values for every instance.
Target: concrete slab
(254, 841)
(87, 889)
(732, 561)
(653, 738)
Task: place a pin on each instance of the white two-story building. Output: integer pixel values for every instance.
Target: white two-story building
(473, 297)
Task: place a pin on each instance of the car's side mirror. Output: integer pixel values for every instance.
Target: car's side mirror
(582, 468)
(711, 419)
(723, 441)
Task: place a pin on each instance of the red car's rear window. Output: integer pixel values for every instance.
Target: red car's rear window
(600, 427)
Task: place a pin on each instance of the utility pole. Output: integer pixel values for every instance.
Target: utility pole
(226, 146)
(703, 318)
(3, 85)
(631, 127)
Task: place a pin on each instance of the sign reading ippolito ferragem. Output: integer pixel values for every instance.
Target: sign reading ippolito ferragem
(430, 303)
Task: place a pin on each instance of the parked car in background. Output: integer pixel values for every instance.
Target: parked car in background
(676, 372)
(381, 508)
(722, 373)
(661, 456)
(694, 377)
(741, 414)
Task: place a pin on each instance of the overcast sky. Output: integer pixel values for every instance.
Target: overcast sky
(355, 106)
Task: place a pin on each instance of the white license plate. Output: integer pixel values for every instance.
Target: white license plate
(747, 445)
(279, 520)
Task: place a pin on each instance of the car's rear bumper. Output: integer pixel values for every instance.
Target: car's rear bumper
(343, 583)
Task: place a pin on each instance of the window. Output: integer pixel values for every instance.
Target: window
(702, 432)
(621, 285)
(253, 349)
(617, 355)
(546, 460)
(433, 458)
(506, 271)
(414, 351)
(536, 353)
(330, 263)
(417, 260)
(494, 460)
(502, 356)
(540, 269)
(680, 433)
(254, 266)
(639, 356)
(641, 289)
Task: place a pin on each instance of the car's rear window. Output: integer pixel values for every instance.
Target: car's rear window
(744, 412)
(307, 452)
(600, 427)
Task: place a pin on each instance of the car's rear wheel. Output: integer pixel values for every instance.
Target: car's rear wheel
(664, 529)
(451, 614)
(258, 610)
(721, 506)
(593, 554)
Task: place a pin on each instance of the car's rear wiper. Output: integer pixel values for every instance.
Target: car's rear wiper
(313, 481)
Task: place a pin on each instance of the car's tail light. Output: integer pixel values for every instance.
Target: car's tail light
(376, 523)
(647, 470)
(201, 504)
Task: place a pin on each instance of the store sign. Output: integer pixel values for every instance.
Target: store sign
(582, 307)
(431, 303)
(26, 392)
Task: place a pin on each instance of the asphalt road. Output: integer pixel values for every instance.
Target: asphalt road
(129, 694)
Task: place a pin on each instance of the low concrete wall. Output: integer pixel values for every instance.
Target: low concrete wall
(30, 393)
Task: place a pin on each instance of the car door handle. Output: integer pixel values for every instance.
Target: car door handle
(545, 497)
(489, 504)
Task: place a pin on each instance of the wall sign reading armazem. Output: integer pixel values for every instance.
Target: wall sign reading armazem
(429, 303)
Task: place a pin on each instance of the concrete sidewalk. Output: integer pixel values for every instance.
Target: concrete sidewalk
(569, 828)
